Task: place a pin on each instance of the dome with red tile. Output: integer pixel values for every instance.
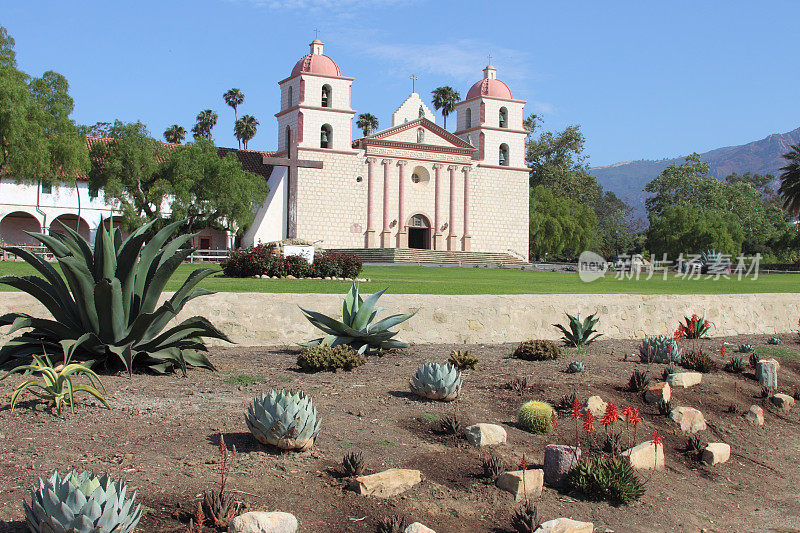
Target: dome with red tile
(316, 62)
(490, 86)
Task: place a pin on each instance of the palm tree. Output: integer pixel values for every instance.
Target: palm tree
(175, 134)
(368, 123)
(445, 98)
(206, 120)
(790, 180)
(234, 97)
(245, 129)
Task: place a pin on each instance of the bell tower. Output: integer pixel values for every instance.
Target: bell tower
(315, 104)
(491, 120)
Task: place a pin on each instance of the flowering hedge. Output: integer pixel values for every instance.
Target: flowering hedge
(260, 260)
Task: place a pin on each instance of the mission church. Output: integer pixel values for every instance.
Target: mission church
(413, 185)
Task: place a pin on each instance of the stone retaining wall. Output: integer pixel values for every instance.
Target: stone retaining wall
(252, 319)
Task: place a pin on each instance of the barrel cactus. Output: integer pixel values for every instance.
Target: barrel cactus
(81, 503)
(659, 349)
(286, 419)
(575, 367)
(536, 417)
(437, 382)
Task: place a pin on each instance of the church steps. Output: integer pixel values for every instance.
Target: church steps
(411, 255)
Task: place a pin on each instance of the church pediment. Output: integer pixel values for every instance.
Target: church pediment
(418, 134)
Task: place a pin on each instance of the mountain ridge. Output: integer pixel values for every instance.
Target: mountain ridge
(627, 179)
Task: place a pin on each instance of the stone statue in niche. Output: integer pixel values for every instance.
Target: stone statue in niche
(420, 135)
(421, 112)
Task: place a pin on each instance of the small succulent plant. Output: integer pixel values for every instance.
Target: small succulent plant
(463, 360)
(518, 385)
(575, 367)
(734, 409)
(493, 466)
(536, 417)
(285, 419)
(436, 382)
(774, 341)
(322, 357)
(670, 369)
(392, 524)
(699, 361)
(659, 349)
(567, 401)
(451, 425)
(526, 518)
(735, 365)
(537, 350)
(754, 359)
(745, 348)
(580, 333)
(81, 503)
(664, 407)
(353, 464)
(694, 447)
(638, 381)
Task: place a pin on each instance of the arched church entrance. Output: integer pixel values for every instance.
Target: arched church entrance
(419, 232)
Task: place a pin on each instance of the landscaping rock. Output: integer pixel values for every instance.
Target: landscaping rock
(691, 420)
(559, 459)
(416, 527)
(596, 406)
(716, 453)
(485, 434)
(685, 379)
(784, 402)
(512, 482)
(261, 522)
(565, 525)
(387, 483)
(755, 415)
(657, 392)
(767, 373)
(646, 456)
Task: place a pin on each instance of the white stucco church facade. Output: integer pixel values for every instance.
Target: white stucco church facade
(413, 185)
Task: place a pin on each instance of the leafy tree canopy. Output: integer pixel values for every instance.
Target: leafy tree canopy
(559, 227)
(38, 140)
(683, 230)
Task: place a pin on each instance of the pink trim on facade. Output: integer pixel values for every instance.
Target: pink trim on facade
(299, 127)
(481, 145)
(483, 113)
(302, 91)
(451, 225)
(437, 209)
(371, 202)
(386, 233)
(467, 236)
(401, 206)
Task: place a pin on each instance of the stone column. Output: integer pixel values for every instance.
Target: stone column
(402, 232)
(438, 241)
(452, 240)
(386, 234)
(467, 237)
(370, 237)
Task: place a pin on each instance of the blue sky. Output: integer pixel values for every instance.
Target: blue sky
(643, 79)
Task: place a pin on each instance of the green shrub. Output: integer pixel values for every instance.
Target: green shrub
(536, 417)
(698, 361)
(580, 334)
(537, 350)
(463, 360)
(612, 480)
(323, 357)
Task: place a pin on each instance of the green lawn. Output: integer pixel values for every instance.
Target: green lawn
(442, 280)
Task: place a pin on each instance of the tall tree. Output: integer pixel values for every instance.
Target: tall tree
(234, 98)
(245, 129)
(790, 180)
(368, 123)
(38, 139)
(206, 120)
(683, 230)
(127, 170)
(445, 98)
(175, 134)
(212, 191)
(559, 227)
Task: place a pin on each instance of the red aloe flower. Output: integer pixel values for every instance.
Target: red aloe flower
(656, 438)
(576, 409)
(695, 318)
(610, 416)
(691, 328)
(635, 418)
(706, 324)
(627, 411)
(723, 352)
(588, 421)
(523, 465)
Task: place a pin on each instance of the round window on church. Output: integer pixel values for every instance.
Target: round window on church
(420, 175)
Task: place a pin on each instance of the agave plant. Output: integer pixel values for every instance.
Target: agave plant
(105, 301)
(579, 333)
(285, 419)
(56, 385)
(436, 382)
(745, 348)
(659, 349)
(357, 328)
(575, 367)
(81, 503)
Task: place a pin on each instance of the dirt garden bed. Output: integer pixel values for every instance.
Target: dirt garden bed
(163, 432)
